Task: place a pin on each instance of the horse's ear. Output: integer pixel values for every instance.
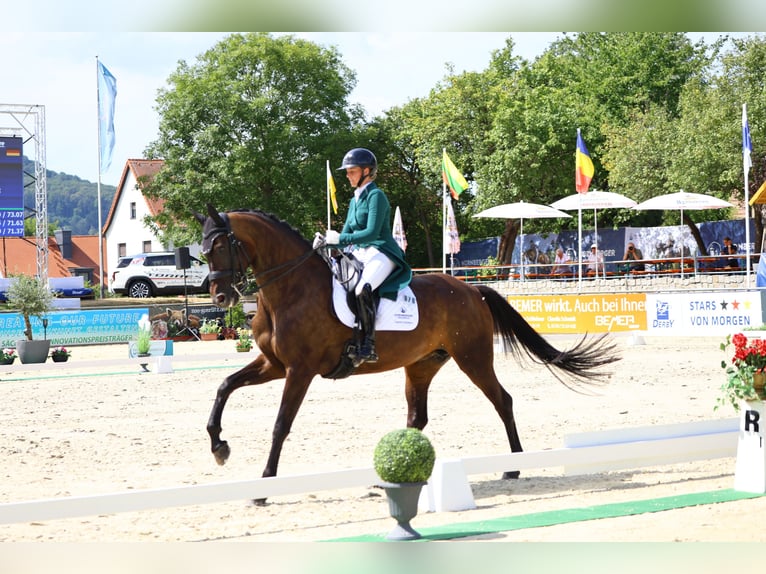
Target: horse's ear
(199, 217)
(215, 215)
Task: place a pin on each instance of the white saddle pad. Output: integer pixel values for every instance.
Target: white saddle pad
(399, 315)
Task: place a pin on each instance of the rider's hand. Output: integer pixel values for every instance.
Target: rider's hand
(318, 240)
(332, 237)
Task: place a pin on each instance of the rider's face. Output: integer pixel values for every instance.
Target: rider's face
(353, 174)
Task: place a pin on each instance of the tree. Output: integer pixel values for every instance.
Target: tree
(251, 125)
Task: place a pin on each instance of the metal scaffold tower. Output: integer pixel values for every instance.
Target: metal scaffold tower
(28, 122)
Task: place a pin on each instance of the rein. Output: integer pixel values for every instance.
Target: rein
(236, 253)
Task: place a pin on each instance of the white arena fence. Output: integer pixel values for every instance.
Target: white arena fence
(448, 488)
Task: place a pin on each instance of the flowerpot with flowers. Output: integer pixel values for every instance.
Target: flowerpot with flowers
(209, 330)
(404, 460)
(7, 356)
(60, 354)
(745, 376)
(244, 341)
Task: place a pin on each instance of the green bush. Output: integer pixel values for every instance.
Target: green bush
(404, 455)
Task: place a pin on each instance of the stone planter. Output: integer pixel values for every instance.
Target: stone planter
(33, 351)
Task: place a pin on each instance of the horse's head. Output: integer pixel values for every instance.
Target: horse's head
(224, 258)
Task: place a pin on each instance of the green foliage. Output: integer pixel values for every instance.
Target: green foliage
(251, 124)
(404, 455)
(235, 316)
(30, 297)
(747, 362)
(209, 327)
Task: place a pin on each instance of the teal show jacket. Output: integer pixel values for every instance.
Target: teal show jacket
(368, 223)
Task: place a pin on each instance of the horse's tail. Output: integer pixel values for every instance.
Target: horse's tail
(583, 363)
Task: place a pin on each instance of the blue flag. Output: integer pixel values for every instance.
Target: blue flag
(107, 93)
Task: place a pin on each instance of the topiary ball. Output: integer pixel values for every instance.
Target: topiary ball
(404, 455)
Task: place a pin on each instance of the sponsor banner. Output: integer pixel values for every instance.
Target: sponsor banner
(98, 326)
(704, 314)
(591, 313)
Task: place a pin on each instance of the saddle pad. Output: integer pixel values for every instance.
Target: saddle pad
(399, 315)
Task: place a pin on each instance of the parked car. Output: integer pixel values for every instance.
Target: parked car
(150, 274)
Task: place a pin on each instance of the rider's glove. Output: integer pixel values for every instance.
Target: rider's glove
(318, 240)
(332, 237)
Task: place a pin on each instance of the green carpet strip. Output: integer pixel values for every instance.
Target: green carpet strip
(554, 517)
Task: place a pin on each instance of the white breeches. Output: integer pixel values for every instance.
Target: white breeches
(377, 266)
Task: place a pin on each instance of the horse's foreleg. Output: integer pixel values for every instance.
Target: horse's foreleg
(417, 382)
(259, 371)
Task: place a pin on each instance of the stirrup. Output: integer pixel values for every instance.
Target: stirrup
(366, 352)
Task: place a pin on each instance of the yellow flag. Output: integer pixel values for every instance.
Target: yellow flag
(331, 189)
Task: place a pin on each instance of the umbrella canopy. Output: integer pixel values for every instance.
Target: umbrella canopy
(682, 200)
(522, 210)
(594, 200)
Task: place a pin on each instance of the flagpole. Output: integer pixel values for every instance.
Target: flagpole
(98, 189)
(445, 231)
(327, 185)
(746, 161)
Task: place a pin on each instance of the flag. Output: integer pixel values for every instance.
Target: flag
(398, 230)
(453, 237)
(452, 177)
(747, 146)
(107, 93)
(331, 189)
(583, 166)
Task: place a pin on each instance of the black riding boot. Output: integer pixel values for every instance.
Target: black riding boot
(366, 309)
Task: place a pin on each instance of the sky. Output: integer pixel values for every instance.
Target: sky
(57, 70)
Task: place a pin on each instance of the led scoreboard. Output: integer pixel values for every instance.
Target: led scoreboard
(11, 187)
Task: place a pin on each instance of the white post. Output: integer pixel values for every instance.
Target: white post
(750, 474)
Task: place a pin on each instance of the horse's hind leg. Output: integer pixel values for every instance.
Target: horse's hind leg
(482, 374)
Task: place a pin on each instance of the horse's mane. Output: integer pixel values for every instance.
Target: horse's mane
(283, 224)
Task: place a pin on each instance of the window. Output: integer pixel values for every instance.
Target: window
(132, 209)
(147, 247)
(122, 250)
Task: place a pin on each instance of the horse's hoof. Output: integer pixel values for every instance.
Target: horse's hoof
(221, 453)
(511, 474)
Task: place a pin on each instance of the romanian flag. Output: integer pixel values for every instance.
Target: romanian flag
(331, 189)
(13, 152)
(452, 177)
(583, 166)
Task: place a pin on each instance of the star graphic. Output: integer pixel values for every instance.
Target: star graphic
(735, 304)
(747, 304)
(723, 305)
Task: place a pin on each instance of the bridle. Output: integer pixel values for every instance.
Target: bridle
(237, 253)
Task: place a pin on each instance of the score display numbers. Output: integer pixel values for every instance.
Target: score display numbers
(11, 187)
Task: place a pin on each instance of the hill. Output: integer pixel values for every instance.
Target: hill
(72, 201)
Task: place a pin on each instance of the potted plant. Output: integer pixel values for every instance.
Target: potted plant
(144, 336)
(244, 341)
(745, 376)
(233, 320)
(209, 330)
(32, 298)
(60, 354)
(7, 356)
(404, 460)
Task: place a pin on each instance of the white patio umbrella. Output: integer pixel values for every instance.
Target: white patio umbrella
(594, 200)
(522, 210)
(682, 200)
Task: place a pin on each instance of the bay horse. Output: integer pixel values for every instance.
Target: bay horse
(299, 336)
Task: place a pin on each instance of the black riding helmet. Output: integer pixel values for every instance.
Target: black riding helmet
(360, 157)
